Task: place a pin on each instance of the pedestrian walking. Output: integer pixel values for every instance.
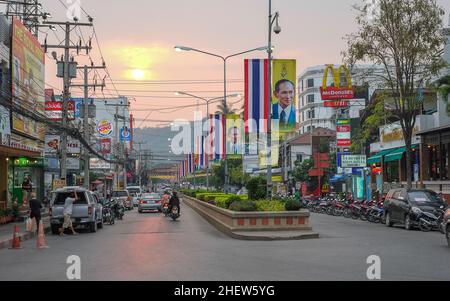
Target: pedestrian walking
(68, 211)
(27, 188)
(35, 210)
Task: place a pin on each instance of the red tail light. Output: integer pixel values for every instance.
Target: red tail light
(90, 210)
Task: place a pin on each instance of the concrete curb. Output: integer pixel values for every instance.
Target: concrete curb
(255, 235)
(6, 243)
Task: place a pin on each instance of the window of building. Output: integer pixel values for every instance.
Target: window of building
(299, 158)
(303, 115)
(311, 98)
(313, 114)
(308, 128)
(310, 83)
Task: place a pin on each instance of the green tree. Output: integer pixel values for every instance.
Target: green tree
(407, 38)
(378, 116)
(257, 188)
(302, 169)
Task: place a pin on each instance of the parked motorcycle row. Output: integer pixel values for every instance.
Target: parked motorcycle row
(342, 206)
(373, 211)
(112, 209)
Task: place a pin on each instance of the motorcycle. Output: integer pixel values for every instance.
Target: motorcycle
(118, 209)
(429, 221)
(376, 214)
(174, 213)
(108, 214)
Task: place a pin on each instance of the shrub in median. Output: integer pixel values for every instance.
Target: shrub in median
(245, 206)
(270, 206)
(293, 205)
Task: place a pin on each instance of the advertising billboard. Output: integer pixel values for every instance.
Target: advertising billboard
(28, 81)
(5, 126)
(234, 136)
(284, 104)
(343, 133)
(353, 161)
(73, 163)
(105, 144)
(99, 164)
(28, 68)
(339, 90)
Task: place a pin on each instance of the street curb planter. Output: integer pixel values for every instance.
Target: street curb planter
(255, 225)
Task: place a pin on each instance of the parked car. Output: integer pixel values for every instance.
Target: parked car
(408, 206)
(87, 211)
(150, 202)
(124, 196)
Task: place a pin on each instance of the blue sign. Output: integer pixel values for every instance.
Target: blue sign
(125, 134)
(339, 158)
(78, 104)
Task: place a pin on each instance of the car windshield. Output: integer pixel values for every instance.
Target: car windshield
(60, 198)
(119, 194)
(425, 198)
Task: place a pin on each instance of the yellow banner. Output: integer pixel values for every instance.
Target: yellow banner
(234, 136)
(284, 104)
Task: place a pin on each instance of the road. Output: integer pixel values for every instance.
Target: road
(150, 247)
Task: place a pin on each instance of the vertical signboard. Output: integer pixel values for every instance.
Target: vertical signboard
(343, 133)
(28, 79)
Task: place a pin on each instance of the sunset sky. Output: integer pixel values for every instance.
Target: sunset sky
(137, 38)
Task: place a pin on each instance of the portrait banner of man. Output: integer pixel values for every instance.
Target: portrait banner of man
(284, 104)
(234, 136)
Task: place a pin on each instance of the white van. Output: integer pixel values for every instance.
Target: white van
(135, 192)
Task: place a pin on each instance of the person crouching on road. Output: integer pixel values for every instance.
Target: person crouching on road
(35, 210)
(68, 211)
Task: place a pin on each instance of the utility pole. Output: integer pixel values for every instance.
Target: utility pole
(86, 132)
(67, 63)
(120, 149)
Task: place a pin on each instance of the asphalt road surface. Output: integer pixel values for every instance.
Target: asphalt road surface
(152, 248)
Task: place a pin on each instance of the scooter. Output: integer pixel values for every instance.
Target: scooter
(174, 213)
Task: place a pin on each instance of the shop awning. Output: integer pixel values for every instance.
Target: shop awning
(377, 158)
(396, 155)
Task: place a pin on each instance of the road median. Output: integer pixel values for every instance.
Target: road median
(292, 225)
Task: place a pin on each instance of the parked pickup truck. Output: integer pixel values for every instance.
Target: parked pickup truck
(87, 211)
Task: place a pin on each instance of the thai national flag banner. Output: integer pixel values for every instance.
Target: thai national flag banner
(256, 111)
(218, 136)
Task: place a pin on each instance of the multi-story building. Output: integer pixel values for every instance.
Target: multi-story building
(312, 112)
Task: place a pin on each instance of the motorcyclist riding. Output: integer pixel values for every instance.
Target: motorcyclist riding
(174, 201)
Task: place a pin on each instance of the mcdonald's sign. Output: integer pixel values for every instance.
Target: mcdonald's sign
(337, 92)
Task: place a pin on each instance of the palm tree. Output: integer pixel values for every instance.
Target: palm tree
(225, 109)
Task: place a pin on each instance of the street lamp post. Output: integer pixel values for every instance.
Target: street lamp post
(277, 30)
(225, 60)
(207, 101)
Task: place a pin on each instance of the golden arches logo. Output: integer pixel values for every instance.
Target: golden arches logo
(337, 92)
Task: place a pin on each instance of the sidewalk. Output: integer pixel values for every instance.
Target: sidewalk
(6, 232)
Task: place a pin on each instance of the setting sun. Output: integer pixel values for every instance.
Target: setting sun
(138, 74)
